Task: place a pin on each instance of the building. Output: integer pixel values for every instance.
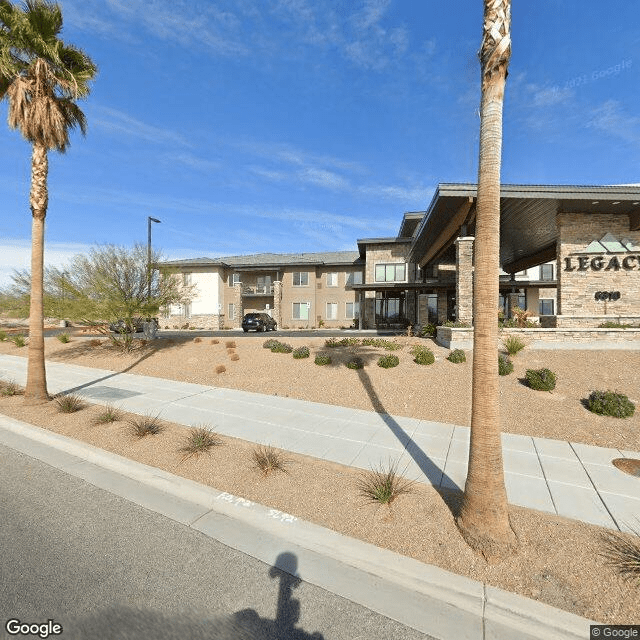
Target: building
(570, 255)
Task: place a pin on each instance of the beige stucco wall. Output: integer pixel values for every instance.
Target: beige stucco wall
(577, 287)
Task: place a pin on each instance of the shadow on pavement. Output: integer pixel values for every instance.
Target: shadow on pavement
(130, 623)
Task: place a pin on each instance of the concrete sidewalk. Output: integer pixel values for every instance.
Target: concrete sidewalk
(569, 479)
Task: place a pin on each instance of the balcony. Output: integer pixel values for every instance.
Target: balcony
(257, 290)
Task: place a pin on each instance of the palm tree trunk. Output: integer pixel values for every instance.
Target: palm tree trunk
(36, 389)
(484, 517)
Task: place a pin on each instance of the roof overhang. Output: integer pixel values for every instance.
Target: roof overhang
(528, 228)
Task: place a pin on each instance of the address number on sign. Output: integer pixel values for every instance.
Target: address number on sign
(607, 295)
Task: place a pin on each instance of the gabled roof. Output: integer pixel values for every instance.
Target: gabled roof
(269, 260)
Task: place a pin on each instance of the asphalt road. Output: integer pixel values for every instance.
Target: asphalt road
(104, 568)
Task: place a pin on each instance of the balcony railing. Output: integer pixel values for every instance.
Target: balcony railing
(257, 290)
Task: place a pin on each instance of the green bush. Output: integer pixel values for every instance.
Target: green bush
(301, 352)
(608, 403)
(457, 356)
(513, 345)
(322, 359)
(281, 347)
(343, 342)
(379, 342)
(64, 337)
(614, 325)
(428, 330)
(505, 366)
(541, 379)
(388, 361)
(3, 336)
(270, 343)
(355, 363)
(19, 340)
(422, 355)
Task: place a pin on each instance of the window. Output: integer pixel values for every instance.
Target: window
(186, 279)
(234, 279)
(332, 310)
(332, 279)
(546, 307)
(232, 311)
(546, 272)
(300, 279)
(522, 273)
(352, 310)
(354, 278)
(390, 273)
(301, 310)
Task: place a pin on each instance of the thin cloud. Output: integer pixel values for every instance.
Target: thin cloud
(610, 118)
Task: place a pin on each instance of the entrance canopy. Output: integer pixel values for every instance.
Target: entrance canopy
(528, 227)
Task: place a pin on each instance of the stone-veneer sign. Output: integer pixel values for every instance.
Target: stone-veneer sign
(598, 266)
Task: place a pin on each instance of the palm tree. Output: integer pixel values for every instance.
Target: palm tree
(40, 77)
(484, 516)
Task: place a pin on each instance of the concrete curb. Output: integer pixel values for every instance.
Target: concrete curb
(427, 598)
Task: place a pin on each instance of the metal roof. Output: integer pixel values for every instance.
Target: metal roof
(528, 228)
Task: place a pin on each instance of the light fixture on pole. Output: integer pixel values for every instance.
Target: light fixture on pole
(149, 221)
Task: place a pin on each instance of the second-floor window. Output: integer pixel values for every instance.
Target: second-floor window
(300, 279)
(234, 279)
(354, 277)
(390, 273)
(546, 272)
(332, 279)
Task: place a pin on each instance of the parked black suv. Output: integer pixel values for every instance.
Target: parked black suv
(259, 322)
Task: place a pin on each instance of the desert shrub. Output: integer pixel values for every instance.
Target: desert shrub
(622, 552)
(380, 342)
(149, 425)
(64, 337)
(221, 368)
(230, 344)
(19, 340)
(197, 339)
(301, 352)
(281, 347)
(343, 342)
(608, 403)
(322, 359)
(95, 342)
(521, 317)
(383, 485)
(541, 379)
(456, 324)
(422, 355)
(355, 363)
(107, 415)
(234, 357)
(388, 361)
(614, 325)
(428, 330)
(513, 344)
(505, 366)
(457, 356)
(268, 459)
(69, 403)
(270, 343)
(3, 336)
(199, 440)
(215, 341)
(10, 388)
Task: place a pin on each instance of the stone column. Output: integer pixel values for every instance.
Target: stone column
(442, 306)
(513, 302)
(237, 294)
(464, 279)
(277, 299)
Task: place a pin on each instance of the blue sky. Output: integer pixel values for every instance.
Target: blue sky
(301, 125)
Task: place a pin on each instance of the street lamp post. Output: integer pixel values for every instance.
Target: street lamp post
(149, 221)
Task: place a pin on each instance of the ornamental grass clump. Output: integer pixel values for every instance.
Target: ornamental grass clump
(608, 403)
(383, 485)
(199, 440)
(301, 352)
(141, 426)
(422, 355)
(323, 359)
(3, 336)
(388, 361)
(622, 552)
(267, 459)
(270, 343)
(10, 388)
(505, 366)
(355, 363)
(108, 415)
(457, 356)
(69, 403)
(19, 340)
(64, 337)
(513, 345)
(541, 379)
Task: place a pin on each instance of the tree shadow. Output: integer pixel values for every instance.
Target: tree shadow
(129, 623)
(427, 466)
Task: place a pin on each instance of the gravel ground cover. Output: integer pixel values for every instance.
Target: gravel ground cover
(560, 561)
